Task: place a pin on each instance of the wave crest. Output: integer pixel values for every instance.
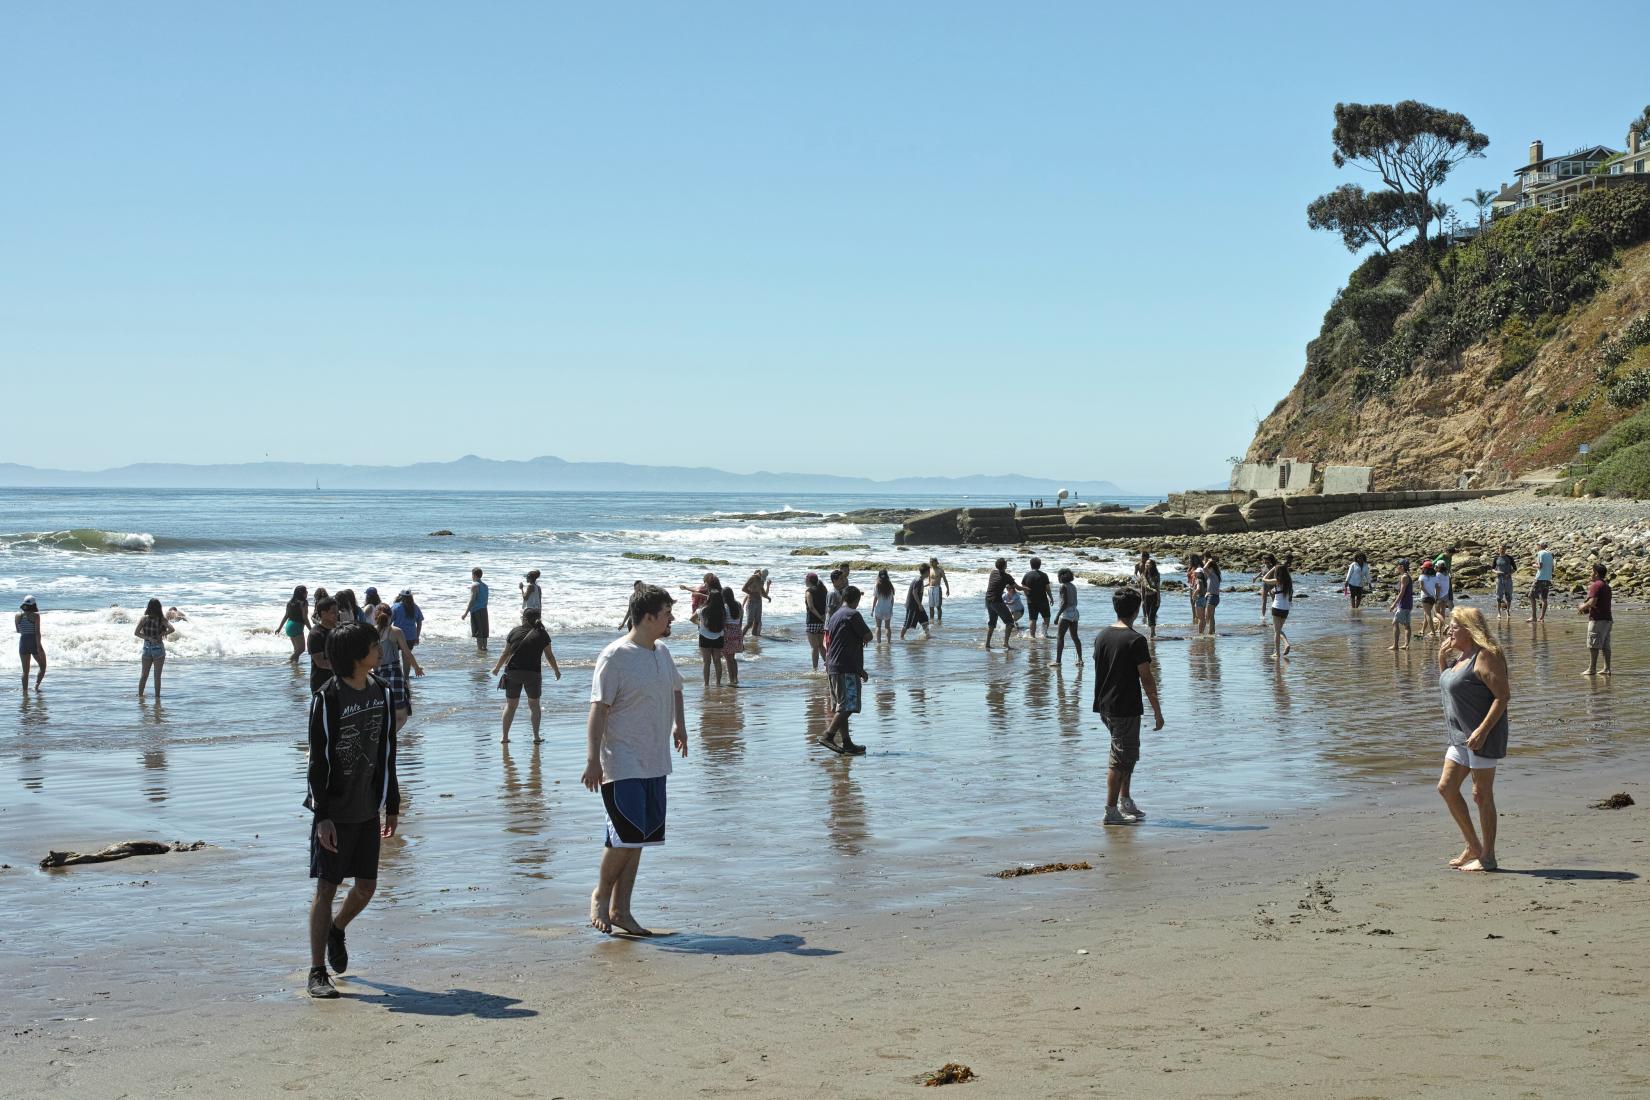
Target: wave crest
(84, 539)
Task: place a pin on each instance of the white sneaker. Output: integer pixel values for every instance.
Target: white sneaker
(1115, 816)
(1129, 808)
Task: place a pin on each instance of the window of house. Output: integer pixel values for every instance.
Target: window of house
(1638, 166)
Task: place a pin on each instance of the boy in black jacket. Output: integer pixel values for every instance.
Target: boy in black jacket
(351, 779)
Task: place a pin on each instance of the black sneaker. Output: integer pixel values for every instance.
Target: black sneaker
(337, 953)
(853, 748)
(320, 985)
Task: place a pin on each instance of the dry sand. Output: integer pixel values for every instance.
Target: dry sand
(1324, 956)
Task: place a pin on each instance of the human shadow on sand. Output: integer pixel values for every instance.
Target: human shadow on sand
(452, 1002)
(1201, 826)
(1575, 873)
(690, 944)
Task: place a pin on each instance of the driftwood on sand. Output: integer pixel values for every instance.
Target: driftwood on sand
(119, 851)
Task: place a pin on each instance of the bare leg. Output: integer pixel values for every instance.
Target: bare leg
(1483, 793)
(535, 711)
(355, 901)
(704, 662)
(626, 885)
(509, 716)
(1449, 786)
(733, 668)
(143, 680)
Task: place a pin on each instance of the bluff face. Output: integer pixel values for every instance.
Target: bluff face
(1518, 396)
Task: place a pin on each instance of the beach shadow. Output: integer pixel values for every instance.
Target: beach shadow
(689, 944)
(452, 1002)
(1573, 873)
(1203, 826)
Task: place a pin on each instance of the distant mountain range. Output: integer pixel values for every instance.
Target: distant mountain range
(546, 473)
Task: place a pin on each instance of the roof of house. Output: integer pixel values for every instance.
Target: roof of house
(1509, 194)
(1594, 152)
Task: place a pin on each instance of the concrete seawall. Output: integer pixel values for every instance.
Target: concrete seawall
(975, 526)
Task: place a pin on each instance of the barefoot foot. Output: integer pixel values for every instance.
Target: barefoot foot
(624, 922)
(1465, 857)
(599, 918)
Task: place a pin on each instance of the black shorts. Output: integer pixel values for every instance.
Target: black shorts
(710, 643)
(478, 623)
(516, 679)
(356, 857)
(1036, 609)
(1279, 614)
(997, 609)
(1125, 741)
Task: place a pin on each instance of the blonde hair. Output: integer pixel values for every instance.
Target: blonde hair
(1472, 621)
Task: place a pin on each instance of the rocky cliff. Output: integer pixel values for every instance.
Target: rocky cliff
(1399, 380)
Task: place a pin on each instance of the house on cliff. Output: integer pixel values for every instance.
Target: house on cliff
(1552, 183)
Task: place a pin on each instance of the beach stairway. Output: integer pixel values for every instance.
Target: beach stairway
(1044, 525)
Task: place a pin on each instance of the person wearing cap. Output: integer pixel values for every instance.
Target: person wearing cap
(476, 610)
(29, 645)
(1402, 607)
(370, 603)
(406, 615)
(1543, 581)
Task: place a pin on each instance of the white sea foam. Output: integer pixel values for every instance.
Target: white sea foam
(750, 532)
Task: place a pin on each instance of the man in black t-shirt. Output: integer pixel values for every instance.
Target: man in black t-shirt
(1122, 671)
(524, 647)
(326, 621)
(998, 582)
(845, 664)
(1035, 585)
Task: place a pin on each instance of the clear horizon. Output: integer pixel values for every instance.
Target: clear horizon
(859, 241)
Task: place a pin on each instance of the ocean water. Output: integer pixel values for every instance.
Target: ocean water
(230, 560)
(978, 760)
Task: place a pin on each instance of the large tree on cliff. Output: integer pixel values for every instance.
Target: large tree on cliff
(1411, 146)
(1362, 217)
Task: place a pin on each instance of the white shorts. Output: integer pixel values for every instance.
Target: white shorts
(1460, 754)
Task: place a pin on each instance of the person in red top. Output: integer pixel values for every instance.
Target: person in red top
(1597, 610)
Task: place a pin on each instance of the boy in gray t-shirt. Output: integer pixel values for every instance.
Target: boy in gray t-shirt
(635, 714)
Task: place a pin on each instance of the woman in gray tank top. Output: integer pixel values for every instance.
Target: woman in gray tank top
(1472, 679)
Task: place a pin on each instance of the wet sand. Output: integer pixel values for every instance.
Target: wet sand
(837, 930)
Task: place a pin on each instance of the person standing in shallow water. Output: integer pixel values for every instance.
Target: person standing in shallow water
(1599, 623)
(1122, 673)
(939, 587)
(914, 614)
(1035, 585)
(1150, 581)
(29, 643)
(1066, 620)
(351, 782)
(882, 606)
(1505, 567)
(1543, 584)
(1357, 580)
(636, 713)
(1472, 679)
(813, 610)
(1211, 594)
(524, 648)
(295, 620)
(845, 663)
(326, 621)
(153, 629)
(476, 610)
(995, 585)
(1402, 607)
(757, 590)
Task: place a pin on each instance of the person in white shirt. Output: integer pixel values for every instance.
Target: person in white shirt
(1358, 581)
(1432, 589)
(635, 715)
(1543, 582)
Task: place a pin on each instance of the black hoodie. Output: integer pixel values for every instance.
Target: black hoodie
(326, 783)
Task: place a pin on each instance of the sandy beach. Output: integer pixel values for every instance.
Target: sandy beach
(1282, 920)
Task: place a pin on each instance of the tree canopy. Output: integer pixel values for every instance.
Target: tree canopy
(1362, 217)
(1411, 146)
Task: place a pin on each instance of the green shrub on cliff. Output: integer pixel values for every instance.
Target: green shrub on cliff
(1626, 473)
(1635, 429)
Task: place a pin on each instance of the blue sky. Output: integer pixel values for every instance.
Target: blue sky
(865, 239)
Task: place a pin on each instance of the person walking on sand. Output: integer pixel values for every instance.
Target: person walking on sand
(1283, 599)
(914, 613)
(476, 610)
(1151, 591)
(407, 615)
(939, 587)
(813, 610)
(636, 713)
(351, 782)
(1035, 585)
(882, 606)
(1597, 609)
(1211, 594)
(1504, 567)
(30, 645)
(1122, 673)
(1543, 581)
(295, 620)
(153, 629)
(845, 665)
(1065, 620)
(532, 596)
(733, 634)
(326, 621)
(524, 647)
(1472, 679)
(1402, 606)
(711, 619)
(395, 656)
(757, 590)
(1358, 583)
(995, 585)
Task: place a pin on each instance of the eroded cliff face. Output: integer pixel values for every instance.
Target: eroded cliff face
(1446, 419)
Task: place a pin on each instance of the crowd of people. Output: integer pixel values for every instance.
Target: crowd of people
(361, 655)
